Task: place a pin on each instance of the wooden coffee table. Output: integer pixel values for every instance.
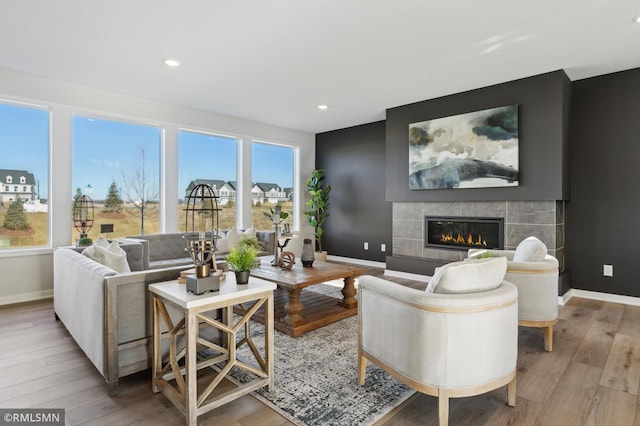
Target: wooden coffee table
(297, 311)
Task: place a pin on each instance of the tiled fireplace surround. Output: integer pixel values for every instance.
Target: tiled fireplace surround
(542, 219)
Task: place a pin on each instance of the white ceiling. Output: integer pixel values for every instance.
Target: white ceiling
(273, 61)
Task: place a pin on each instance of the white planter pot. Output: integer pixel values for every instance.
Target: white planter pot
(320, 256)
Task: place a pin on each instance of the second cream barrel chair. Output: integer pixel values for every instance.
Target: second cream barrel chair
(535, 273)
(458, 338)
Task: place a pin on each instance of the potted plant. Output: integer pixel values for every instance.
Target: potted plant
(272, 213)
(85, 242)
(318, 205)
(276, 216)
(241, 258)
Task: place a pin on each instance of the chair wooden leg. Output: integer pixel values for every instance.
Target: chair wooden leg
(362, 368)
(511, 392)
(443, 408)
(548, 338)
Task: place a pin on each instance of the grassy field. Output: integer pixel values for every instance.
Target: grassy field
(123, 224)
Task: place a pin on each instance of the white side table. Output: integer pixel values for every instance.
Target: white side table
(179, 382)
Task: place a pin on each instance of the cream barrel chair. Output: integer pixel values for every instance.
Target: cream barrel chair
(535, 273)
(459, 338)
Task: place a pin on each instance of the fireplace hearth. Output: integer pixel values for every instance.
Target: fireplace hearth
(462, 233)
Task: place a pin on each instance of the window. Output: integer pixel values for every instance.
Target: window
(208, 159)
(272, 176)
(24, 141)
(117, 164)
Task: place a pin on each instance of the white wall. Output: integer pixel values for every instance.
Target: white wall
(28, 274)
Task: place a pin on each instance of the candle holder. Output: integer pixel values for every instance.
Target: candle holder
(83, 215)
(201, 226)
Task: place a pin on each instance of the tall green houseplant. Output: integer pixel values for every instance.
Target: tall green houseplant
(318, 204)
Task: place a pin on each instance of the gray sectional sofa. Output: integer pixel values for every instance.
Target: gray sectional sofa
(109, 313)
(165, 250)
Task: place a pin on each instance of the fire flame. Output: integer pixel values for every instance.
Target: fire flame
(459, 239)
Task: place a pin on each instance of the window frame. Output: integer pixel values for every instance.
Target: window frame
(132, 121)
(47, 247)
(295, 182)
(215, 134)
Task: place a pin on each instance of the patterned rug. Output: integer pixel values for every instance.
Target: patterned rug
(316, 376)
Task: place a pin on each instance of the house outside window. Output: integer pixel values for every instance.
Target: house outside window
(271, 172)
(205, 158)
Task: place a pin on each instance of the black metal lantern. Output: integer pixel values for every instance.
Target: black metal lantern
(83, 215)
(201, 226)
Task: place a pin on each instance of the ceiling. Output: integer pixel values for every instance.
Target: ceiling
(275, 61)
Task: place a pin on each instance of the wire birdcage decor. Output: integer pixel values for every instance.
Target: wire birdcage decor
(83, 215)
(201, 228)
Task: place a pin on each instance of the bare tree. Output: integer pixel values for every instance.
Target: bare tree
(140, 189)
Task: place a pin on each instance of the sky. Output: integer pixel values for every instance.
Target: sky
(24, 136)
(106, 151)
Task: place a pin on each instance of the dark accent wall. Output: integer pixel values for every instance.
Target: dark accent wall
(543, 101)
(354, 161)
(603, 214)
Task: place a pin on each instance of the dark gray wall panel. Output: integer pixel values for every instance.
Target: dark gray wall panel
(602, 216)
(354, 161)
(543, 114)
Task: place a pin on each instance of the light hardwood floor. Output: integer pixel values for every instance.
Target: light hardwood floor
(592, 377)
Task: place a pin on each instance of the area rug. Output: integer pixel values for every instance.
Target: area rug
(316, 376)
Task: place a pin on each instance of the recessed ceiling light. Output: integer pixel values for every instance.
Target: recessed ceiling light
(637, 19)
(323, 107)
(171, 62)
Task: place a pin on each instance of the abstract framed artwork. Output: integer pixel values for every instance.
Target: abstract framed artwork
(473, 150)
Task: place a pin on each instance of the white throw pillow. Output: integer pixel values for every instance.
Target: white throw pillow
(108, 254)
(470, 276)
(227, 241)
(249, 232)
(530, 249)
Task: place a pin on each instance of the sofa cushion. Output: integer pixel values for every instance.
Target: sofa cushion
(108, 254)
(169, 263)
(249, 232)
(135, 250)
(469, 276)
(530, 249)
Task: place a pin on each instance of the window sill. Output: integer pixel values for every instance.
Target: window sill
(26, 251)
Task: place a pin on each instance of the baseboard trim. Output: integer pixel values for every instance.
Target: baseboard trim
(603, 297)
(363, 262)
(26, 297)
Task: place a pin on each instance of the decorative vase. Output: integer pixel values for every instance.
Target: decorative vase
(307, 253)
(242, 277)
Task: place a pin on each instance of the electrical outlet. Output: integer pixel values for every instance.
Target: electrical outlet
(607, 270)
(383, 247)
(366, 245)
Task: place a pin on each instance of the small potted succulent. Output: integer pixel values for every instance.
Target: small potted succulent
(85, 242)
(241, 258)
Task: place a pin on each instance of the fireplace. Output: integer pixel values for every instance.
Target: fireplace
(462, 233)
